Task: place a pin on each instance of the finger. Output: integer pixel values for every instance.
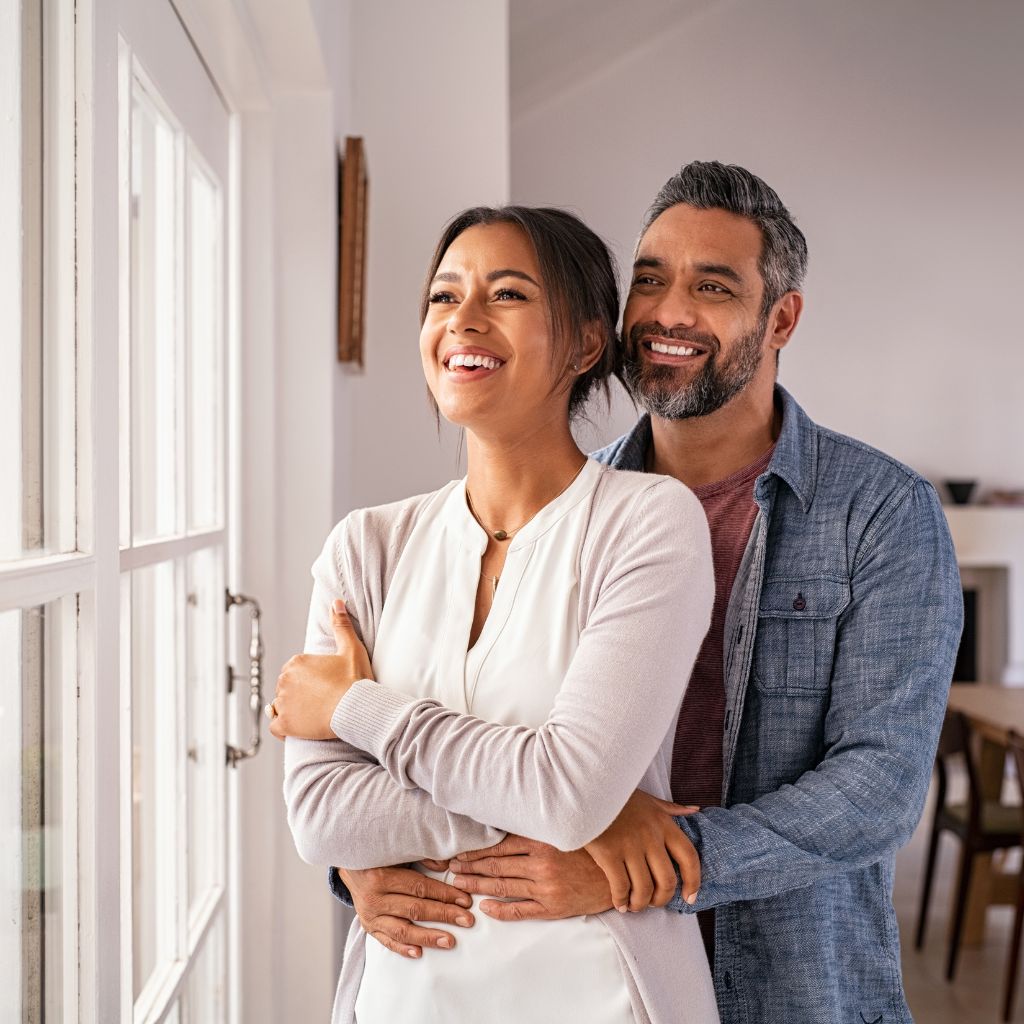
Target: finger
(663, 871)
(641, 884)
(501, 888)
(410, 909)
(341, 627)
(412, 883)
(521, 910)
(681, 810)
(434, 865)
(406, 935)
(393, 934)
(682, 852)
(511, 845)
(495, 867)
(618, 881)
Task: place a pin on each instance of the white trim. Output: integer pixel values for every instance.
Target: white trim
(36, 581)
(154, 551)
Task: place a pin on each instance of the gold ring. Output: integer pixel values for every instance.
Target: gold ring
(270, 711)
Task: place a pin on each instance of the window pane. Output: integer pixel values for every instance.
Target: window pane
(155, 353)
(206, 347)
(34, 416)
(153, 662)
(205, 713)
(31, 815)
(204, 990)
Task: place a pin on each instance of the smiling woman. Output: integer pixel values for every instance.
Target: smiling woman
(481, 661)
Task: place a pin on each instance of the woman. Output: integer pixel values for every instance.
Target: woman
(532, 628)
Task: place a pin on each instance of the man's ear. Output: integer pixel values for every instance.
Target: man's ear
(595, 341)
(783, 319)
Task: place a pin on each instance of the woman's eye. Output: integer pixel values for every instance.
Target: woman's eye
(441, 297)
(644, 279)
(509, 293)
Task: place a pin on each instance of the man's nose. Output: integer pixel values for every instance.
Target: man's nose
(675, 307)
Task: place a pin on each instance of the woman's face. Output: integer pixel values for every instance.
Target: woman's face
(486, 341)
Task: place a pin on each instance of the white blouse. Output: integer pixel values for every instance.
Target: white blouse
(534, 971)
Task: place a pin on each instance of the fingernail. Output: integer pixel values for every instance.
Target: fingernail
(622, 910)
(691, 807)
(414, 951)
(339, 607)
(692, 898)
(463, 920)
(455, 865)
(465, 901)
(444, 942)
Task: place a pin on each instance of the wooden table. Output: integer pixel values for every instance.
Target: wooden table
(993, 712)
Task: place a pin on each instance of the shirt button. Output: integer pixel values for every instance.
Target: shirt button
(799, 604)
(727, 980)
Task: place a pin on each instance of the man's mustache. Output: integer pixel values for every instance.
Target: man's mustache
(652, 329)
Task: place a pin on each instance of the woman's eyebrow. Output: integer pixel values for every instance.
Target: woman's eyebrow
(509, 272)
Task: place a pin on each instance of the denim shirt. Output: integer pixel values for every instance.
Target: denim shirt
(841, 633)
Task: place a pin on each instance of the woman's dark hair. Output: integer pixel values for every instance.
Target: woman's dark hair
(579, 277)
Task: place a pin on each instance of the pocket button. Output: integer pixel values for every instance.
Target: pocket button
(799, 604)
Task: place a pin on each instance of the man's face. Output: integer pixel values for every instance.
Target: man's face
(694, 328)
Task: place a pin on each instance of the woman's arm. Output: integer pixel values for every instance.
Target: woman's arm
(343, 808)
(565, 782)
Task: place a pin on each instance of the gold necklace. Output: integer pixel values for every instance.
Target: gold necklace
(509, 534)
(493, 580)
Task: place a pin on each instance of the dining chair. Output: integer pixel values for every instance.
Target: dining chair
(981, 825)
(1013, 962)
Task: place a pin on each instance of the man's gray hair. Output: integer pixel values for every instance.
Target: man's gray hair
(710, 185)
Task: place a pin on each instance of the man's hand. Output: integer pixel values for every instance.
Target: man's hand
(639, 851)
(545, 883)
(389, 901)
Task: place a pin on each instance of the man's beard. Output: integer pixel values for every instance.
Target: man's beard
(654, 386)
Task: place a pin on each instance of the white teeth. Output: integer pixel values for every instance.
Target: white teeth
(463, 359)
(672, 350)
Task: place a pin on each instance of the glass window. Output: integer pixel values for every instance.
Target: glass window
(205, 347)
(155, 314)
(153, 665)
(31, 815)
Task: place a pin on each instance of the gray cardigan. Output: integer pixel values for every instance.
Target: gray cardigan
(384, 793)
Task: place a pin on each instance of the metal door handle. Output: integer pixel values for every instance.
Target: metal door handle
(255, 676)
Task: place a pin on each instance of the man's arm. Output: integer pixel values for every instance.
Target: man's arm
(893, 664)
(895, 650)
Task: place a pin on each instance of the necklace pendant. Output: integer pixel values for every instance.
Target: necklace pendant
(500, 535)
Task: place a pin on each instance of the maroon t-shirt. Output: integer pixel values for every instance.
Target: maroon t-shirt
(697, 753)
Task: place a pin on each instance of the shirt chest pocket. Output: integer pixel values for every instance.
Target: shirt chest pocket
(796, 634)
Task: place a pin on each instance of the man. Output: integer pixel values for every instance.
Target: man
(810, 723)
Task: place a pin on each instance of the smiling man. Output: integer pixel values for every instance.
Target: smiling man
(809, 726)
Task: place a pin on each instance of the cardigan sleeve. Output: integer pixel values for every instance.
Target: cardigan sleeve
(565, 782)
(343, 807)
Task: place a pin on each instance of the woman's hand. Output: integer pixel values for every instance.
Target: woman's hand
(639, 851)
(310, 685)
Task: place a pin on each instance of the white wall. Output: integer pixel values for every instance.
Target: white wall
(893, 132)
(430, 97)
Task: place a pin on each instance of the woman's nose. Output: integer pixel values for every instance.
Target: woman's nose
(468, 315)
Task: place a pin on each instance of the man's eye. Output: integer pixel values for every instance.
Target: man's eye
(509, 294)
(714, 288)
(441, 297)
(642, 279)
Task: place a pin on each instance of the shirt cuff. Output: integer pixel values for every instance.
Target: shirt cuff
(368, 714)
(338, 888)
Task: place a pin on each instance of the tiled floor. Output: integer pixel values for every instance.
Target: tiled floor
(975, 997)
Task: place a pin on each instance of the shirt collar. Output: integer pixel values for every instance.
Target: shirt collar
(794, 461)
